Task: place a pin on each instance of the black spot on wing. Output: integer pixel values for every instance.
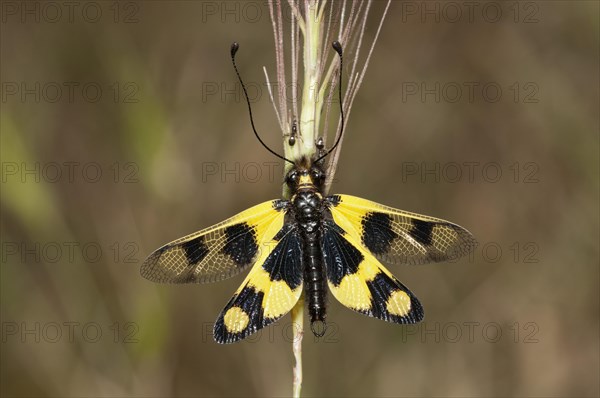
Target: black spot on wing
(340, 257)
(285, 261)
(195, 250)
(421, 231)
(250, 301)
(377, 232)
(382, 287)
(241, 243)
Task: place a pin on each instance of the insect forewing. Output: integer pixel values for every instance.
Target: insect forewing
(217, 252)
(397, 236)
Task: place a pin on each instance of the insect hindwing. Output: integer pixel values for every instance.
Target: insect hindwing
(270, 290)
(361, 283)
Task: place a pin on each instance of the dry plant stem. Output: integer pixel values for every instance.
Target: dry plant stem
(305, 146)
(298, 334)
(312, 29)
(309, 116)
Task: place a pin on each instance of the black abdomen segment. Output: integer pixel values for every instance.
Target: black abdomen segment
(314, 281)
(308, 213)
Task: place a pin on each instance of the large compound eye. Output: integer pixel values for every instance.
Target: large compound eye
(292, 178)
(316, 174)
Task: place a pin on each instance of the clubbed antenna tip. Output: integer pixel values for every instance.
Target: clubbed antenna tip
(336, 46)
(234, 47)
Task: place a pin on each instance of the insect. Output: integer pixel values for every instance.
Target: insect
(311, 243)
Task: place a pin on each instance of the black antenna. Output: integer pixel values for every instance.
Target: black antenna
(234, 47)
(338, 49)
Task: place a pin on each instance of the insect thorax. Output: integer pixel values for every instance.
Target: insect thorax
(305, 180)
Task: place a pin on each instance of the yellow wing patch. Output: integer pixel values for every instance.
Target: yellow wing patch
(398, 303)
(353, 291)
(278, 298)
(236, 320)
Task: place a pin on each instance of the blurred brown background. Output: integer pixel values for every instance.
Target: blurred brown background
(119, 134)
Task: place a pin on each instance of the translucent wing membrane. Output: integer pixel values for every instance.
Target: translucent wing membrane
(397, 236)
(270, 290)
(218, 252)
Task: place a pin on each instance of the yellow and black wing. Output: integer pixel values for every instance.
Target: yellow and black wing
(397, 236)
(359, 281)
(217, 252)
(270, 290)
